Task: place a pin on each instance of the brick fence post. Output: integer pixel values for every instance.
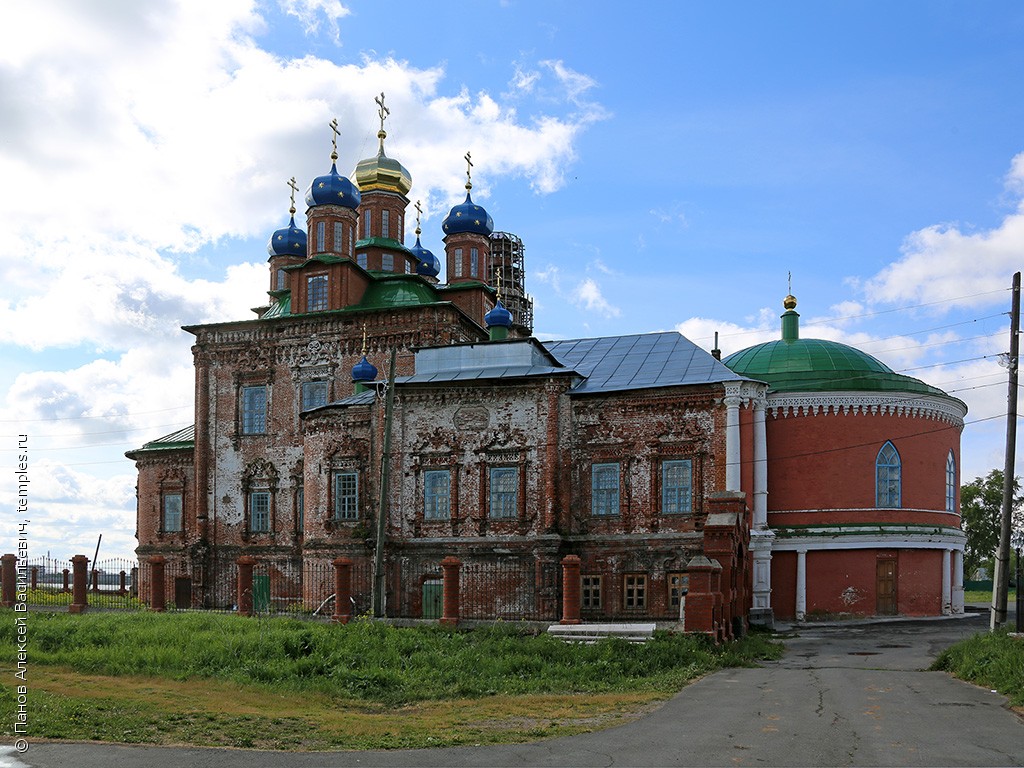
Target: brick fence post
(342, 590)
(699, 609)
(79, 584)
(35, 577)
(67, 580)
(157, 589)
(9, 577)
(570, 590)
(245, 564)
(450, 613)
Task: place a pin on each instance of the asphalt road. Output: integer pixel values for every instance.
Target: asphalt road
(850, 695)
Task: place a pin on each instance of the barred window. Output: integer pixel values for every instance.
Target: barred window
(254, 410)
(474, 262)
(346, 496)
(604, 488)
(387, 262)
(282, 280)
(950, 483)
(384, 222)
(259, 511)
(887, 477)
(634, 591)
(321, 229)
(316, 293)
(171, 512)
(504, 492)
(338, 237)
(437, 494)
(366, 225)
(677, 487)
(457, 262)
(590, 593)
(314, 394)
(361, 260)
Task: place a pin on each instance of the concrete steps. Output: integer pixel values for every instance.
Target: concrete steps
(590, 633)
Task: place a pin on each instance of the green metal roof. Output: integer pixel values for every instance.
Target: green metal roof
(793, 364)
(183, 438)
(382, 242)
(281, 307)
(397, 291)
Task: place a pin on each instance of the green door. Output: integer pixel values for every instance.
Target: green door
(261, 594)
(433, 598)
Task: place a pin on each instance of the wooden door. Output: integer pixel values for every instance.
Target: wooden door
(182, 592)
(433, 598)
(885, 587)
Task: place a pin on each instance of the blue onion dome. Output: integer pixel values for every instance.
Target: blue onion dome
(290, 241)
(364, 370)
(333, 189)
(498, 317)
(429, 265)
(468, 217)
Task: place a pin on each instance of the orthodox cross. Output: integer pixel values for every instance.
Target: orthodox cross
(419, 210)
(294, 188)
(334, 138)
(383, 111)
(469, 166)
(789, 278)
(364, 339)
(497, 296)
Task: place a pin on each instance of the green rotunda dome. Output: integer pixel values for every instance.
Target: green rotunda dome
(792, 364)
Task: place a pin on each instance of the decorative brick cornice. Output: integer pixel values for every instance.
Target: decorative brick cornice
(794, 404)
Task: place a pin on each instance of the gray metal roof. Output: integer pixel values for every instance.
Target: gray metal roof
(617, 363)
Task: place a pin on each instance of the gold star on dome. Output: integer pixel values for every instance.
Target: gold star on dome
(458, 214)
(477, 222)
(320, 185)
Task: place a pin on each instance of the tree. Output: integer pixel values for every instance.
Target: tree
(981, 504)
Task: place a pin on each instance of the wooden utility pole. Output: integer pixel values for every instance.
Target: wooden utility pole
(379, 580)
(1001, 578)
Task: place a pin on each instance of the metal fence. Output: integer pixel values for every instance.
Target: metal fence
(503, 588)
(112, 583)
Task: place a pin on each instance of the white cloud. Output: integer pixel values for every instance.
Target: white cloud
(309, 12)
(587, 295)
(952, 266)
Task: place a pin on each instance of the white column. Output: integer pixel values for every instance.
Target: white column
(732, 402)
(760, 464)
(801, 584)
(947, 587)
(957, 603)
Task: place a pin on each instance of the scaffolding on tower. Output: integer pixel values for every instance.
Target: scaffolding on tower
(507, 262)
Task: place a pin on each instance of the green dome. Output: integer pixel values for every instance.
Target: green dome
(793, 364)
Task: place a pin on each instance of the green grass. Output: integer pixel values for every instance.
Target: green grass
(285, 684)
(370, 660)
(984, 596)
(49, 597)
(993, 660)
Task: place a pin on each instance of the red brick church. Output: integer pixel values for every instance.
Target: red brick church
(808, 478)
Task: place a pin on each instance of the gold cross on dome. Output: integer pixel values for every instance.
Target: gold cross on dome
(294, 188)
(497, 296)
(334, 138)
(364, 339)
(469, 167)
(383, 112)
(419, 211)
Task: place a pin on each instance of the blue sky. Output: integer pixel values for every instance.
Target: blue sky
(667, 166)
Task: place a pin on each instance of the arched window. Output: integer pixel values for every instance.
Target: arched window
(887, 477)
(950, 483)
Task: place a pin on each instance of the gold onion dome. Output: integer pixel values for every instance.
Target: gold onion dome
(382, 172)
